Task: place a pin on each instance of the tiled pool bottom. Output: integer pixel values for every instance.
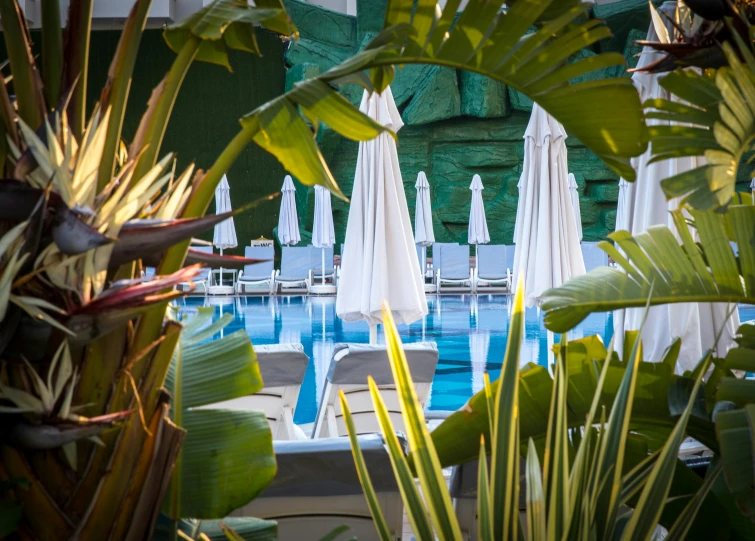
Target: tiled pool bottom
(470, 332)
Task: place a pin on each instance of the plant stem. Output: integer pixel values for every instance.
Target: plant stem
(160, 117)
(52, 51)
(151, 322)
(77, 61)
(115, 93)
(27, 85)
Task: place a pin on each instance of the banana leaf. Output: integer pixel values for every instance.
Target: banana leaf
(717, 123)
(655, 265)
(604, 115)
(227, 458)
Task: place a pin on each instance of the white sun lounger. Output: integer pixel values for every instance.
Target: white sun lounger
(282, 367)
(295, 265)
(454, 268)
(203, 278)
(492, 267)
(593, 256)
(316, 489)
(258, 274)
(348, 371)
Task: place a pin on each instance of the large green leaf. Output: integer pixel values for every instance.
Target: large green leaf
(717, 123)
(221, 24)
(655, 265)
(605, 115)
(227, 458)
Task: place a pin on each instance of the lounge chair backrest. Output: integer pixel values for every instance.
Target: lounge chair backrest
(316, 487)
(348, 372)
(263, 270)
(438, 251)
(315, 255)
(282, 367)
(593, 256)
(454, 263)
(491, 261)
(204, 272)
(353, 363)
(295, 262)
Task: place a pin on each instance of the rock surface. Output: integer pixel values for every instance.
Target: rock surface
(457, 124)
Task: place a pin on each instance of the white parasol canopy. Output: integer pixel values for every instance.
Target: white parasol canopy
(382, 263)
(574, 195)
(323, 234)
(547, 250)
(478, 224)
(695, 323)
(225, 231)
(288, 221)
(624, 206)
(423, 213)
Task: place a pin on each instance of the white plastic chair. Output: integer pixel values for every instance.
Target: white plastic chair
(492, 268)
(454, 268)
(258, 274)
(295, 266)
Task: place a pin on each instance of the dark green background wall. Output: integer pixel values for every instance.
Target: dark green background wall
(206, 113)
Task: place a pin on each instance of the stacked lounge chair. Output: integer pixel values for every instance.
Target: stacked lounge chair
(348, 372)
(282, 367)
(258, 274)
(295, 267)
(492, 267)
(454, 268)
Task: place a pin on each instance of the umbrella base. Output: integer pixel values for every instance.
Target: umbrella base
(431, 288)
(322, 289)
(220, 290)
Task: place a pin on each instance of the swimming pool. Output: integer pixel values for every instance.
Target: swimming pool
(470, 332)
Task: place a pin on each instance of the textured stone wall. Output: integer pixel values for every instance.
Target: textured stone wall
(457, 124)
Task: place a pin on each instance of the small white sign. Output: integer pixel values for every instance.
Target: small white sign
(261, 242)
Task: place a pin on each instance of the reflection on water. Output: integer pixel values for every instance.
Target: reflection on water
(470, 332)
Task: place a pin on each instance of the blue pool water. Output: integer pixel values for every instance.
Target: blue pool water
(470, 332)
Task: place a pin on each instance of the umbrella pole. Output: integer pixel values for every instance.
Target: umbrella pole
(221, 267)
(323, 266)
(373, 333)
(551, 358)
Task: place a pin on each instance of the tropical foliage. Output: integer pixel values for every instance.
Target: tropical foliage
(227, 456)
(588, 483)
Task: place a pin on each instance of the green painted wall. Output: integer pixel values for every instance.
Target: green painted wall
(206, 113)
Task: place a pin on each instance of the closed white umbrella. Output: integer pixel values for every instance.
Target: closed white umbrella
(288, 221)
(547, 252)
(423, 216)
(695, 323)
(624, 205)
(225, 231)
(382, 263)
(574, 194)
(477, 233)
(424, 234)
(323, 234)
(752, 189)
